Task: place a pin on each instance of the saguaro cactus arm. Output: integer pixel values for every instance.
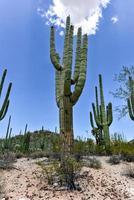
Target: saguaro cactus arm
(78, 56)
(53, 54)
(82, 73)
(97, 119)
(131, 114)
(109, 114)
(130, 100)
(5, 104)
(91, 120)
(8, 128)
(2, 80)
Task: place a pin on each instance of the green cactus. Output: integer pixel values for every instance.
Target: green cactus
(6, 101)
(103, 115)
(66, 98)
(25, 143)
(7, 141)
(130, 100)
(96, 131)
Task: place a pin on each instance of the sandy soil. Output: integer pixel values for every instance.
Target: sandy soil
(24, 183)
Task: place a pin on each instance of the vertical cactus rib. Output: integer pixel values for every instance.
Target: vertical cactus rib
(53, 54)
(57, 90)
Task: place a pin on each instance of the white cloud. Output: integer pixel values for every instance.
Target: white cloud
(114, 19)
(83, 13)
(61, 33)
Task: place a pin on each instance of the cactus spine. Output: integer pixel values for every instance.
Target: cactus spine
(103, 115)
(66, 98)
(5, 104)
(130, 100)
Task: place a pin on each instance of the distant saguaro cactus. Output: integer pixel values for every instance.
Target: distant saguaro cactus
(7, 141)
(130, 100)
(66, 98)
(96, 131)
(103, 115)
(26, 140)
(6, 101)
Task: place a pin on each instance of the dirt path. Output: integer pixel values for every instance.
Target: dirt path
(24, 183)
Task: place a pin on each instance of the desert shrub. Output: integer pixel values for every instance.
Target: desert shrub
(1, 185)
(94, 163)
(10, 156)
(37, 154)
(6, 160)
(114, 160)
(19, 155)
(130, 171)
(61, 173)
(48, 171)
(128, 157)
(67, 172)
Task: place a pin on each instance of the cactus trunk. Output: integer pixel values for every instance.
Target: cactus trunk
(66, 122)
(106, 137)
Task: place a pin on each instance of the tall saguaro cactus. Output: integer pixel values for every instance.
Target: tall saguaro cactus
(103, 115)
(66, 98)
(130, 100)
(6, 101)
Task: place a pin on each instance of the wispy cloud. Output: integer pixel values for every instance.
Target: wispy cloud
(114, 19)
(85, 14)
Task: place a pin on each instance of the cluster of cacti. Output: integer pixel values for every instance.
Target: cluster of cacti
(66, 98)
(102, 115)
(7, 143)
(130, 100)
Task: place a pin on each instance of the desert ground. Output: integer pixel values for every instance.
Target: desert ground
(25, 182)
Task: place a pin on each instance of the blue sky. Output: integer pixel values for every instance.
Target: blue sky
(24, 51)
